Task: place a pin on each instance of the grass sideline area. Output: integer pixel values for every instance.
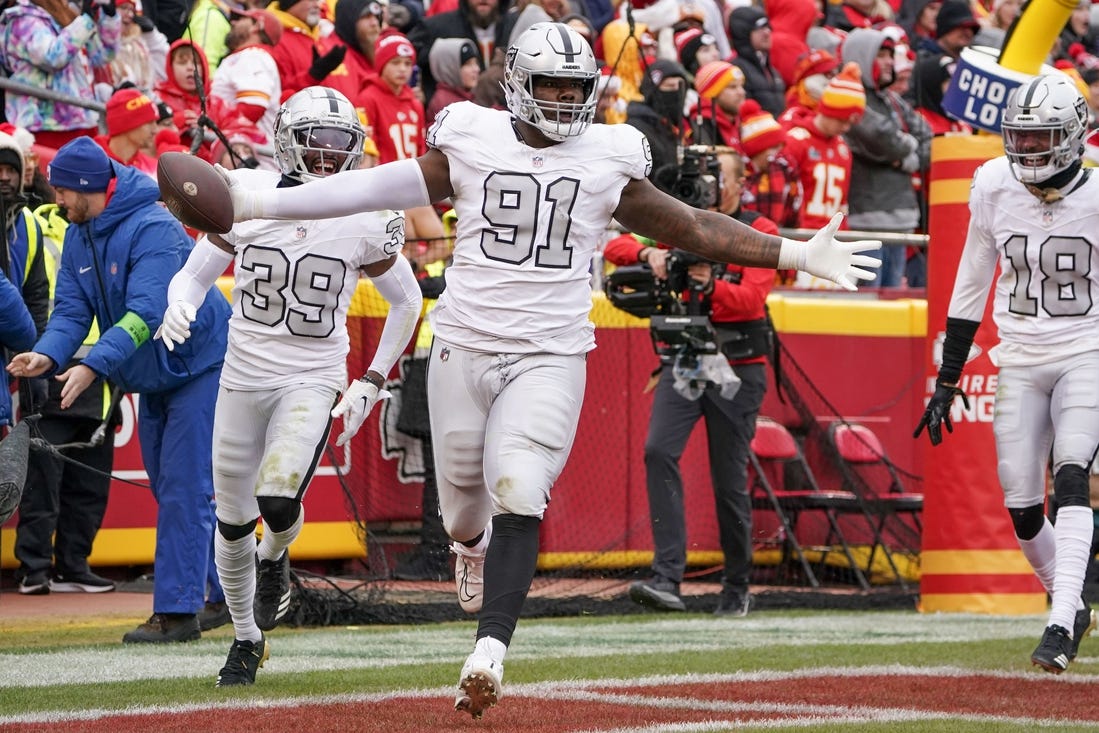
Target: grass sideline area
(52, 678)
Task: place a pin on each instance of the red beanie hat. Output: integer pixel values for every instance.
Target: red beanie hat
(758, 129)
(817, 61)
(128, 109)
(390, 46)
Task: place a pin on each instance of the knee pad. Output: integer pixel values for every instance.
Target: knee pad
(233, 532)
(1071, 486)
(279, 513)
(1027, 521)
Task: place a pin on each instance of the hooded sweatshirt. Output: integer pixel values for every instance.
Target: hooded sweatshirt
(762, 82)
(888, 145)
(116, 268)
(446, 66)
(180, 100)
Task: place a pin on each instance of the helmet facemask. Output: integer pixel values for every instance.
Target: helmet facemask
(551, 51)
(317, 134)
(1043, 127)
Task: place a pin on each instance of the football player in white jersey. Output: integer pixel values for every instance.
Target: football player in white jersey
(534, 188)
(287, 357)
(1033, 214)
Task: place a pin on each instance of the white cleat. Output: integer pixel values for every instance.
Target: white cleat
(469, 572)
(480, 686)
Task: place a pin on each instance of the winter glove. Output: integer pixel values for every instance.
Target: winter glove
(144, 23)
(246, 202)
(827, 257)
(324, 65)
(938, 412)
(356, 404)
(175, 328)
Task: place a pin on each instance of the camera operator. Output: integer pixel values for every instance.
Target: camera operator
(734, 299)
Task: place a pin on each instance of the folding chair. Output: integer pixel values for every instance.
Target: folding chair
(868, 472)
(774, 450)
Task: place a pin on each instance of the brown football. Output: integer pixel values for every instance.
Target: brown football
(194, 193)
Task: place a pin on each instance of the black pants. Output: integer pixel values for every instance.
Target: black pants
(63, 504)
(730, 426)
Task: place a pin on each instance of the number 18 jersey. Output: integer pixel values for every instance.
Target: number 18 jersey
(293, 283)
(529, 220)
(1045, 304)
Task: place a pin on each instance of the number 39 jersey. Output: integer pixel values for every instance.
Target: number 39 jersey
(294, 281)
(1046, 303)
(529, 220)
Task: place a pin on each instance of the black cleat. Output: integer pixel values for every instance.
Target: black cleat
(1054, 651)
(1081, 627)
(245, 657)
(272, 591)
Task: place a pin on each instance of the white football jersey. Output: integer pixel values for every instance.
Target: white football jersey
(1046, 303)
(529, 220)
(293, 283)
(251, 76)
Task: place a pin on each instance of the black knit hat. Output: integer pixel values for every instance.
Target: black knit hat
(12, 158)
(954, 14)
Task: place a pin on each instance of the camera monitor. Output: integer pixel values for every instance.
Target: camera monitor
(677, 334)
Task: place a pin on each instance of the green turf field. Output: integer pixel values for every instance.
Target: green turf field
(46, 672)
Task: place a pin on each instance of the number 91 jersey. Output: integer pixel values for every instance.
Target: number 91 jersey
(293, 284)
(1045, 303)
(529, 220)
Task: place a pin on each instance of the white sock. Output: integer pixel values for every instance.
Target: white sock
(236, 563)
(1041, 552)
(274, 544)
(1075, 525)
(494, 648)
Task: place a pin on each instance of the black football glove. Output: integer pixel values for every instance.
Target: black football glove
(938, 412)
(322, 66)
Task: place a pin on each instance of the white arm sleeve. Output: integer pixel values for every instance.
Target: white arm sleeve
(399, 287)
(397, 185)
(202, 269)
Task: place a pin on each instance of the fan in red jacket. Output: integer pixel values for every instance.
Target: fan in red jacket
(180, 92)
(395, 114)
(297, 54)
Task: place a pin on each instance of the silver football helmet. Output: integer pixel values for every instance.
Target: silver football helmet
(1044, 125)
(317, 133)
(551, 50)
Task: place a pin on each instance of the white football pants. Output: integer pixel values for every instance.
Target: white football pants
(502, 426)
(1038, 406)
(267, 443)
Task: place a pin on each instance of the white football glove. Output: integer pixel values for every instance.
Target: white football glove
(356, 404)
(246, 204)
(827, 257)
(175, 328)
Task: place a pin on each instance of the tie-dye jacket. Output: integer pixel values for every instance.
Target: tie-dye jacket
(38, 52)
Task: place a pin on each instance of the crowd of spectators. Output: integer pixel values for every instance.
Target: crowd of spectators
(216, 75)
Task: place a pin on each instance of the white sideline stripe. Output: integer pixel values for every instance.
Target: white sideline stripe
(792, 714)
(331, 649)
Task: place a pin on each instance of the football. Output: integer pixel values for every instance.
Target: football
(194, 192)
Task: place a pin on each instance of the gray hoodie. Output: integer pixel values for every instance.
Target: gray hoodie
(888, 145)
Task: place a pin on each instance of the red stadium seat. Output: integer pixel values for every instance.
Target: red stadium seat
(782, 482)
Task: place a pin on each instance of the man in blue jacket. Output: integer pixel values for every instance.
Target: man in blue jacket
(121, 250)
(17, 332)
